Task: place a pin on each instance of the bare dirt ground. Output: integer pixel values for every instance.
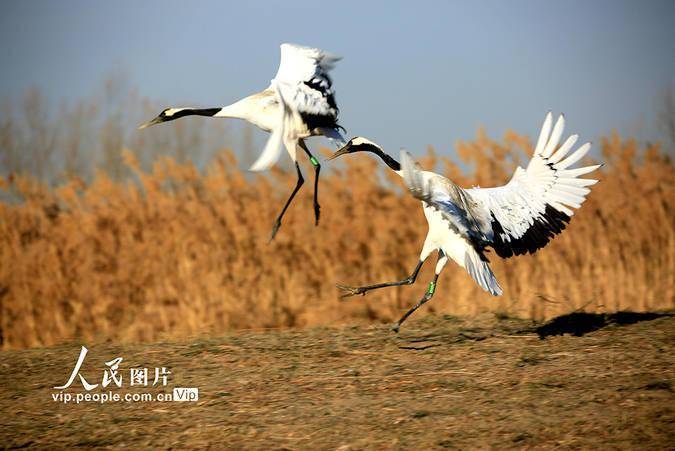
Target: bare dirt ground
(444, 382)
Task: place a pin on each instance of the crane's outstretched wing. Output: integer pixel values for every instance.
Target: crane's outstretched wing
(521, 216)
(304, 91)
(535, 205)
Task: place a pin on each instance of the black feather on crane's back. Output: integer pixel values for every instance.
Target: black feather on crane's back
(324, 87)
(314, 121)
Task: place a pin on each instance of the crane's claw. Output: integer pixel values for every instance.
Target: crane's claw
(275, 229)
(351, 291)
(317, 213)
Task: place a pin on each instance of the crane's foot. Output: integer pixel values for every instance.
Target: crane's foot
(351, 291)
(427, 296)
(275, 229)
(317, 213)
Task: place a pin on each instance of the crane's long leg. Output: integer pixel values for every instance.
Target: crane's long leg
(277, 223)
(317, 169)
(442, 260)
(352, 291)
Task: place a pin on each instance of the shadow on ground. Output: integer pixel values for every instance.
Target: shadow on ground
(580, 323)
(432, 332)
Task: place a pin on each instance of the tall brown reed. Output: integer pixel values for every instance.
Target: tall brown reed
(184, 252)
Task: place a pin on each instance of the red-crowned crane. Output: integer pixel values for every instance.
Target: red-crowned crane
(298, 103)
(517, 218)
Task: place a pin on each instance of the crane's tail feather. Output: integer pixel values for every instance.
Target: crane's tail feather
(480, 271)
(271, 153)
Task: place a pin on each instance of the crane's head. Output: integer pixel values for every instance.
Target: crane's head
(361, 144)
(357, 144)
(166, 115)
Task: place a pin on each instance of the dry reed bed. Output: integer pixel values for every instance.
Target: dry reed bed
(181, 252)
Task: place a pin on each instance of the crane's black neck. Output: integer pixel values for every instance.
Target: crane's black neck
(195, 112)
(393, 164)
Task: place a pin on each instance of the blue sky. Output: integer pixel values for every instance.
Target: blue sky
(413, 74)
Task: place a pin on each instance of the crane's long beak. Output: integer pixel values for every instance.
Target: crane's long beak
(157, 120)
(347, 148)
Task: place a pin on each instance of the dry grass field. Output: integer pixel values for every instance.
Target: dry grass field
(173, 251)
(443, 383)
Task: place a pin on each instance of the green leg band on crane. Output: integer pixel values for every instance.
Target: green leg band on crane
(314, 161)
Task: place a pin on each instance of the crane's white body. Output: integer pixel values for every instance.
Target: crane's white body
(264, 110)
(441, 236)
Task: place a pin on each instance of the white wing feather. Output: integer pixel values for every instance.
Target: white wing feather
(541, 197)
(303, 78)
(299, 64)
